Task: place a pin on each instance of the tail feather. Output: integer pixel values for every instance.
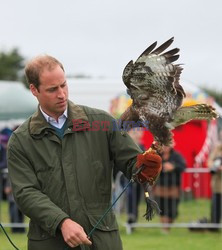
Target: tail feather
(194, 112)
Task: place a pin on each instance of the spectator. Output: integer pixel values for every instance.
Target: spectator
(134, 190)
(4, 137)
(167, 188)
(215, 164)
(16, 215)
(3, 164)
(3, 145)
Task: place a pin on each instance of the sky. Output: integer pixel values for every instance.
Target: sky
(99, 37)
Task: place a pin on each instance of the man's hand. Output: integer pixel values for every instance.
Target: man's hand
(152, 165)
(73, 233)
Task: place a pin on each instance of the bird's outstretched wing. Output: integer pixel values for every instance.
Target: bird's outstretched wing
(153, 84)
(153, 80)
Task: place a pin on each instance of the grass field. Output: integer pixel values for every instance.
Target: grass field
(146, 238)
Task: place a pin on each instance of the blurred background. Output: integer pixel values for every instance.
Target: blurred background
(95, 39)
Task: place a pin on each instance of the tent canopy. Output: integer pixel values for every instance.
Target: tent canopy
(16, 102)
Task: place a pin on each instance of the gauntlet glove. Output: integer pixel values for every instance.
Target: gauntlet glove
(151, 164)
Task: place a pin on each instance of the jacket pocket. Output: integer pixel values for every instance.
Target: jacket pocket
(36, 233)
(109, 223)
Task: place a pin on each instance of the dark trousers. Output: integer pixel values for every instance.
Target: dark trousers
(216, 208)
(16, 217)
(133, 199)
(168, 207)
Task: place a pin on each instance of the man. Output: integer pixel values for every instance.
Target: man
(60, 164)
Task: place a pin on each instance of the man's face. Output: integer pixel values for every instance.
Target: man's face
(52, 93)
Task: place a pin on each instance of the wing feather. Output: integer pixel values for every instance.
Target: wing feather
(149, 49)
(163, 47)
(172, 58)
(171, 52)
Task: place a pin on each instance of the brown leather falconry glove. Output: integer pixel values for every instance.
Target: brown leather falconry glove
(151, 164)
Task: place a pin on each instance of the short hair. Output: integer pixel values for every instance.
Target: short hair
(37, 65)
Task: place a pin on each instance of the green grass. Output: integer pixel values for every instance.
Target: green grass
(177, 239)
(146, 238)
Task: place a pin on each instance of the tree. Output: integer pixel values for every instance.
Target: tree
(11, 65)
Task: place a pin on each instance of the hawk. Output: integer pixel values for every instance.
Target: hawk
(152, 82)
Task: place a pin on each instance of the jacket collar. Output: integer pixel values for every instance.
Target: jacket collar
(39, 126)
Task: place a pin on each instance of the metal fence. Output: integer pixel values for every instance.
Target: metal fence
(189, 219)
(194, 206)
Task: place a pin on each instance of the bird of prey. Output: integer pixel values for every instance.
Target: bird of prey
(152, 82)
